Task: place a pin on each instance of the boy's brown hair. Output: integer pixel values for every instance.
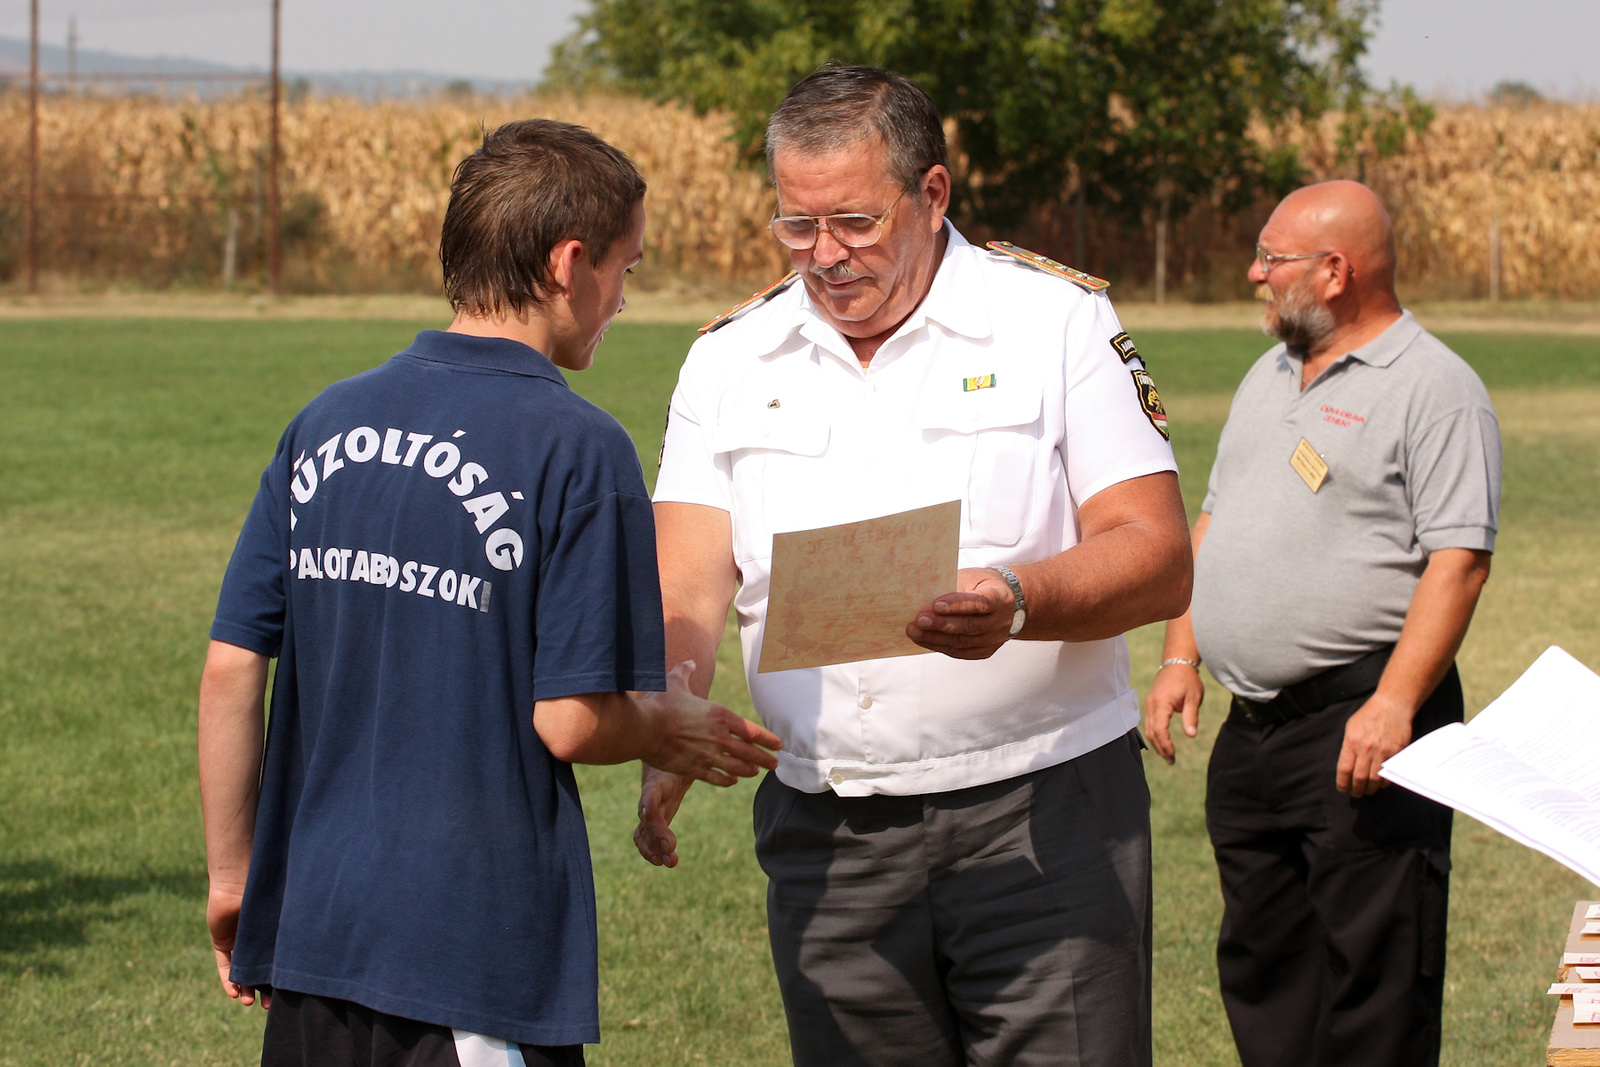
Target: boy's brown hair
(533, 184)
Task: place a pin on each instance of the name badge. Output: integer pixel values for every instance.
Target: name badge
(1308, 465)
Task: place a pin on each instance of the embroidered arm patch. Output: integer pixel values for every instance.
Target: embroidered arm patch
(1123, 345)
(1150, 401)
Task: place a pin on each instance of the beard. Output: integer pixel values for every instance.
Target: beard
(1299, 319)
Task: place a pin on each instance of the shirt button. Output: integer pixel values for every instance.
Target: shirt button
(865, 703)
(835, 778)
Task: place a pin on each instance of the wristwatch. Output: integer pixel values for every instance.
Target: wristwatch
(1020, 616)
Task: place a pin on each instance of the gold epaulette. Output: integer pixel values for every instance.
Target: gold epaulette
(760, 298)
(1050, 266)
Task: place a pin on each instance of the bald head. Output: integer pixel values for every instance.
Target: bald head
(1338, 216)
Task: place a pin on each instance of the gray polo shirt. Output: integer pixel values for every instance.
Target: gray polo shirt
(1289, 582)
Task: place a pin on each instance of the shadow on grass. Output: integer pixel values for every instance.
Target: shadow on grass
(44, 906)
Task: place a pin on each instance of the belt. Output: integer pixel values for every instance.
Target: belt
(1318, 691)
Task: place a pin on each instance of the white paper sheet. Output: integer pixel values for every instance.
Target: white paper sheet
(1527, 765)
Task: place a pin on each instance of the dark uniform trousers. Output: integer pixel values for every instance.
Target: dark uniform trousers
(1332, 945)
(1005, 924)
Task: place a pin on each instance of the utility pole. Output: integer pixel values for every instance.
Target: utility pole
(1163, 214)
(33, 146)
(72, 53)
(274, 248)
(1494, 259)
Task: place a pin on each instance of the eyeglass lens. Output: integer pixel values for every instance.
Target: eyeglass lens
(856, 231)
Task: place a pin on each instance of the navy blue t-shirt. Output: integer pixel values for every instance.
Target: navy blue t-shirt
(438, 543)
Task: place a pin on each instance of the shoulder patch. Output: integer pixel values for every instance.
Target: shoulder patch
(1150, 401)
(760, 298)
(1033, 259)
(1123, 344)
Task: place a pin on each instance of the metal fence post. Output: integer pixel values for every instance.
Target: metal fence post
(274, 237)
(33, 146)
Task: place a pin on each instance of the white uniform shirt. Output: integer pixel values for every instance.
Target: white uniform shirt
(775, 421)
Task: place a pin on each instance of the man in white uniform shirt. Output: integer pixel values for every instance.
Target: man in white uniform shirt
(957, 844)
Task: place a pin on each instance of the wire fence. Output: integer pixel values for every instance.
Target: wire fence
(154, 192)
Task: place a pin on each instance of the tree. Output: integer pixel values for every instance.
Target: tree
(1137, 106)
(1514, 94)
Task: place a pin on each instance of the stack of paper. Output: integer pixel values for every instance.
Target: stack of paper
(1575, 1030)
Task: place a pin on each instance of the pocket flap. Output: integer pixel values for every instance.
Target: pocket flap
(1013, 400)
(771, 412)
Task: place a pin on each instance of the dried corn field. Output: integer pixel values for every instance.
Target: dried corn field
(1532, 174)
(141, 190)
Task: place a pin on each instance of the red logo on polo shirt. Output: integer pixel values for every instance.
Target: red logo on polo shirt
(1340, 417)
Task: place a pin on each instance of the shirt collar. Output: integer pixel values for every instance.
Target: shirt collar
(1381, 351)
(955, 299)
(484, 353)
(1385, 348)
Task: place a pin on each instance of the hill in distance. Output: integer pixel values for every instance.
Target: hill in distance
(166, 75)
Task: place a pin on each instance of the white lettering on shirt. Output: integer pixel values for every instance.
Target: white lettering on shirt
(330, 455)
(468, 479)
(385, 571)
(361, 444)
(441, 459)
(487, 509)
(503, 548)
(417, 441)
(305, 480)
(391, 445)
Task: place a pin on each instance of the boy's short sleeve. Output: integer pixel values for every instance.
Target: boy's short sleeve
(598, 619)
(250, 609)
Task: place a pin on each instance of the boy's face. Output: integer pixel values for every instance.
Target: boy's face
(597, 296)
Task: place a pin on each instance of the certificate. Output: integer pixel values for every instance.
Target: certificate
(840, 594)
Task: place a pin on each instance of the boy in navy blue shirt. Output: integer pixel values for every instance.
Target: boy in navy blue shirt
(453, 559)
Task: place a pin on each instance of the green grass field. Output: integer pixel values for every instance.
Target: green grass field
(130, 451)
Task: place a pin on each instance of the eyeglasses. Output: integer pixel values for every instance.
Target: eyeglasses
(1268, 260)
(851, 229)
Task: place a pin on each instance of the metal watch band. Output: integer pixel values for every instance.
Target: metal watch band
(1021, 614)
(1175, 660)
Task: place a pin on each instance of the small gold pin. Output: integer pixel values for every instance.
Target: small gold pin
(773, 403)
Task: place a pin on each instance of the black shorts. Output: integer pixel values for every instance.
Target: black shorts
(305, 1030)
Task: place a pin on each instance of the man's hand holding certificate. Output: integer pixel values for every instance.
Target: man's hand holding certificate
(845, 593)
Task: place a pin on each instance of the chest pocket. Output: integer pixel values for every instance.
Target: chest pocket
(992, 436)
(768, 431)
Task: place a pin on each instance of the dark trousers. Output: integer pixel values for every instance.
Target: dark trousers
(1333, 928)
(1005, 924)
(305, 1030)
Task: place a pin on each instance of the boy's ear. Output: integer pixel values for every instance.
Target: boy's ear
(565, 258)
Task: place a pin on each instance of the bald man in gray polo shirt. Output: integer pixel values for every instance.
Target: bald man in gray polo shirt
(1343, 542)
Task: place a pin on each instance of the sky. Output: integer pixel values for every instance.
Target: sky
(1454, 49)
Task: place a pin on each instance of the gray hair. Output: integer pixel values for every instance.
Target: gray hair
(839, 107)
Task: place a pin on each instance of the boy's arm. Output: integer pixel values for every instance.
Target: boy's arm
(232, 729)
(675, 731)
